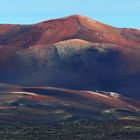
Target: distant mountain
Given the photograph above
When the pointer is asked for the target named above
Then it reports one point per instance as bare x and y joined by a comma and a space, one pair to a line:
73, 52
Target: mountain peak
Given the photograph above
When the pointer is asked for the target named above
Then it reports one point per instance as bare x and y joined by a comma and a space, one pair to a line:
76, 16
81, 17
82, 27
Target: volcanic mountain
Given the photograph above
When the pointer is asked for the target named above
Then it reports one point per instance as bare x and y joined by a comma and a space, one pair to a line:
69, 78
74, 52
72, 27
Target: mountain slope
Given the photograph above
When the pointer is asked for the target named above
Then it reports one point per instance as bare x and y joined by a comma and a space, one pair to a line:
73, 52
71, 27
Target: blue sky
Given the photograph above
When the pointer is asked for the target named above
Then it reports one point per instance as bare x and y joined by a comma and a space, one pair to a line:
119, 13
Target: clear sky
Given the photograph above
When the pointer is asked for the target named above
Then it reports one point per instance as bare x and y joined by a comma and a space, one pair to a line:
119, 13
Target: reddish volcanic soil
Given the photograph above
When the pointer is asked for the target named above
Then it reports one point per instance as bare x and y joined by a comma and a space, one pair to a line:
72, 27
15, 37
81, 27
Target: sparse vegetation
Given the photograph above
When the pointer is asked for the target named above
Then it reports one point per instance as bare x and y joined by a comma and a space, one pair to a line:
73, 130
